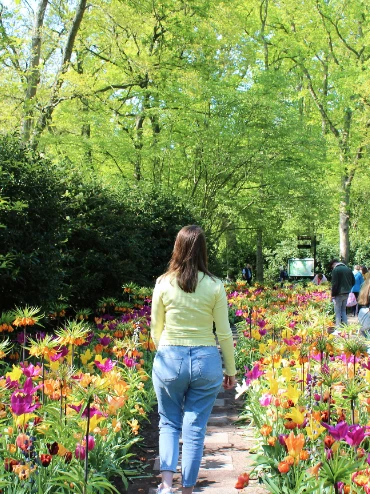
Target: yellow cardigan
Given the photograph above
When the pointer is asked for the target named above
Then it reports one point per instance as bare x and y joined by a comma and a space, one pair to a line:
186, 319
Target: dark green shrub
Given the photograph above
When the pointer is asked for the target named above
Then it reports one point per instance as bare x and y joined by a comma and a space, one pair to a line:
74, 238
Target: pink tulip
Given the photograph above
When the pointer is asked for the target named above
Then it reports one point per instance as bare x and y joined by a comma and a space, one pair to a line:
80, 452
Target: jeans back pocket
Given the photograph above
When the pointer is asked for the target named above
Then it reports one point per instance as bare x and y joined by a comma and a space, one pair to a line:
167, 368
210, 367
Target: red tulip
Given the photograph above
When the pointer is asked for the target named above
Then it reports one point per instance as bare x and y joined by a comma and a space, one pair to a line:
45, 460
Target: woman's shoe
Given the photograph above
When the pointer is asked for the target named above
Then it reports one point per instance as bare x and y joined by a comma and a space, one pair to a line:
164, 490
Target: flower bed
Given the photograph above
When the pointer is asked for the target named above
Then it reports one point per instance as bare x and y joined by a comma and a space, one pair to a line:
73, 400
306, 391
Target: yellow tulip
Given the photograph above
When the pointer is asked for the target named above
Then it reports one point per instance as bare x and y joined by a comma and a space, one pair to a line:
86, 357
15, 374
54, 366
274, 387
12, 448
287, 373
256, 335
293, 394
21, 420
286, 333
262, 348
314, 429
296, 415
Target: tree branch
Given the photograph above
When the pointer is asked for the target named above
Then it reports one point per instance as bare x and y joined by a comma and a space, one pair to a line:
319, 105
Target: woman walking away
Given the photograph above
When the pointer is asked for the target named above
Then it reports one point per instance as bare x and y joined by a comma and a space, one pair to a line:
359, 279
363, 308
187, 369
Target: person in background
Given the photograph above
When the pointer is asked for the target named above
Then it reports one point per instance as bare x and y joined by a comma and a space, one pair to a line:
359, 279
283, 275
187, 369
342, 282
365, 272
319, 278
363, 308
247, 274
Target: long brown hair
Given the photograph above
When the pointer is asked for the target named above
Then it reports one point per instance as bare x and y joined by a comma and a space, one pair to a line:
188, 257
363, 296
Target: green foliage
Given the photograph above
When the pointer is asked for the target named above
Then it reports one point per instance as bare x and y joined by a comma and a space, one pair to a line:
33, 234
78, 238
239, 112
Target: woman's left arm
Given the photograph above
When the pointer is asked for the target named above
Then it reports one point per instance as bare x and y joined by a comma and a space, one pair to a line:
158, 315
224, 334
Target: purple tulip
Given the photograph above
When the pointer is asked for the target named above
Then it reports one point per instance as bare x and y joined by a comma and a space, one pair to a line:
28, 388
106, 367
22, 404
105, 340
31, 370
40, 335
61, 352
80, 452
93, 411
281, 439
338, 432
355, 435
253, 374
129, 362
266, 399
329, 453
366, 365
91, 443
9, 384
325, 369
21, 339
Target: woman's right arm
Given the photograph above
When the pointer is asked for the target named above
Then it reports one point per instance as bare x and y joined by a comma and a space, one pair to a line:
157, 316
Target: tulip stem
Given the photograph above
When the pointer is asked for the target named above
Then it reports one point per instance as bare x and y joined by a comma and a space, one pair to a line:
43, 380
72, 356
61, 399
87, 445
24, 345
353, 411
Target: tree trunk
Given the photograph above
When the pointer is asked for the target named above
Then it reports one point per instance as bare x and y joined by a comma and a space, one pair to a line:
259, 255
138, 144
86, 126
33, 78
344, 219
54, 100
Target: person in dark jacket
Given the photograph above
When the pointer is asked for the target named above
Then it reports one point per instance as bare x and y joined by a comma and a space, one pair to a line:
247, 273
342, 282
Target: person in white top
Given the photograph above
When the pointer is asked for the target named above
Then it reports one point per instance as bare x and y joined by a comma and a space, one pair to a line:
319, 278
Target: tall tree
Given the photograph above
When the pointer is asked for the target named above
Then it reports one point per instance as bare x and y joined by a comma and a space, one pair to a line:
327, 45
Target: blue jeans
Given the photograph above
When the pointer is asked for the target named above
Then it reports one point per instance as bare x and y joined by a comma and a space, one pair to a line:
340, 302
187, 381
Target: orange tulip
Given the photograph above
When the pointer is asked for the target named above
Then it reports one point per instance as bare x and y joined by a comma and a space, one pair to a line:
315, 469
283, 467
294, 444
243, 481
329, 441
304, 455
265, 430
271, 441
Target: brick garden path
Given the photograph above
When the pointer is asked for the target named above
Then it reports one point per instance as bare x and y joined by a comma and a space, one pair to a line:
226, 453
